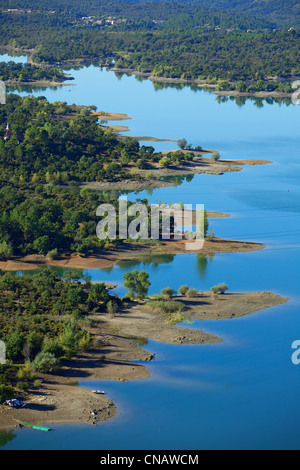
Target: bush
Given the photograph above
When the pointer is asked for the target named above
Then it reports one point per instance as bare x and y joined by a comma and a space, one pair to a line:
45, 362
111, 307
221, 288
214, 289
183, 289
149, 174
6, 250
191, 292
164, 162
215, 156
211, 235
52, 254
6, 392
22, 386
174, 318
164, 306
53, 347
25, 372
168, 292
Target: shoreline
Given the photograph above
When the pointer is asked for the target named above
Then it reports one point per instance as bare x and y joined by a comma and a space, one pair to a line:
148, 75
129, 251
45, 83
202, 166
59, 400
202, 84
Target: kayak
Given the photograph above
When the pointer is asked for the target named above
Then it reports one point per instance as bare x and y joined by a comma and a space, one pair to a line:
98, 391
34, 426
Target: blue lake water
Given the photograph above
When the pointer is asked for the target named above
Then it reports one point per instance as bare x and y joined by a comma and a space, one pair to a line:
244, 391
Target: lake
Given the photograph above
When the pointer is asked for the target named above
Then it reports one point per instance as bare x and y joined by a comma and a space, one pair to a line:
242, 393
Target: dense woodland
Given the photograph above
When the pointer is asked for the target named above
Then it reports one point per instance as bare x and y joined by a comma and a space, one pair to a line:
29, 73
42, 207
43, 320
166, 39
275, 11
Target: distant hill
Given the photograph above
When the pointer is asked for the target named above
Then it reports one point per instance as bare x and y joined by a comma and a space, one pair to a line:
285, 12
277, 12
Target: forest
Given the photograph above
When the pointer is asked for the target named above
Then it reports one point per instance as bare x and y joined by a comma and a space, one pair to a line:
176, 40
53, 148
43, 321
12, 71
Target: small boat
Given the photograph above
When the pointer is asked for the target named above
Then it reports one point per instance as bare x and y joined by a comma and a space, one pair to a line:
34, 426
99, 392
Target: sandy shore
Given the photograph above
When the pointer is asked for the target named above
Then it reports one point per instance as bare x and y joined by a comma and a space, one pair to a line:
59, 400
44, 83
202, 166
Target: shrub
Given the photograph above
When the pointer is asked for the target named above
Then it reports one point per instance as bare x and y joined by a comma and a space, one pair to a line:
22, 386
53, 347
6, 250
52, 254
191, 292
25, 372
164, 162
111, 307
6, 392
164, 306
149, 174
221, 288
45, 362
214, 289
215, 156
168, 292
183, 289
174, 318
211, 235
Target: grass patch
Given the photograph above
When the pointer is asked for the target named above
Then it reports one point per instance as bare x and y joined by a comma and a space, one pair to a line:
173, 318
164, 306
170, 309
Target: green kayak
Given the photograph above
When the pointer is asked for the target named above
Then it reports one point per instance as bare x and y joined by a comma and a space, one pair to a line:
34, 426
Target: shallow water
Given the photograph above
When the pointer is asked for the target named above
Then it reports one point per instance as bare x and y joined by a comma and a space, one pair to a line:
244, 391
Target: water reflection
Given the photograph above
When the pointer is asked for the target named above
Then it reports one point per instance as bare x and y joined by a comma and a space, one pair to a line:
202, 263
6, 437
31, 88
147, 260
257, 101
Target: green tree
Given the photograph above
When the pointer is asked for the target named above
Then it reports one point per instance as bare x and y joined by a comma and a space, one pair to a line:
6, 250
45, 362
6, 392
137, 283
182, 143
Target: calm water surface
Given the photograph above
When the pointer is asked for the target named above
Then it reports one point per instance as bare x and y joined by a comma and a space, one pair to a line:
244, 391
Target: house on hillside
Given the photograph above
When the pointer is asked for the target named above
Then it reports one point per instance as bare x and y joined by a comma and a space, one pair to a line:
8, 134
